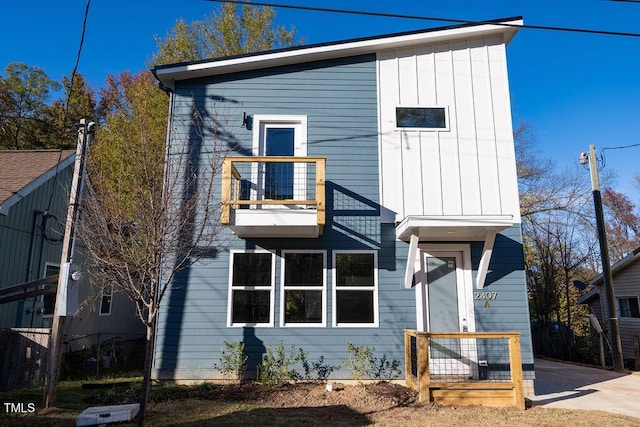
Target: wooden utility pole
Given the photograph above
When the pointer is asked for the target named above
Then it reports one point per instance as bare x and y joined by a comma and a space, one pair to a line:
607, 277
60, 311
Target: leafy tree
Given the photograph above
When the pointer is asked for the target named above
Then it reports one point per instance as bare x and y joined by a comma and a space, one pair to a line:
231, 30
24, 92
63, 114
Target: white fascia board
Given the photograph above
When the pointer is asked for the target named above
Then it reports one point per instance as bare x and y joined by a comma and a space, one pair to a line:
33, 185
452, 227
330, 51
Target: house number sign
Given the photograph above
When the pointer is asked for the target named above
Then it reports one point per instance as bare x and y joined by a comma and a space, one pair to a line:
485, 295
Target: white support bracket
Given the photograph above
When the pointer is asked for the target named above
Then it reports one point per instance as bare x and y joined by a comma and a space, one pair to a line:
411, 261
487, 251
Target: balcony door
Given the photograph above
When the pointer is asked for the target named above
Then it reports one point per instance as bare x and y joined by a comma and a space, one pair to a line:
280, 136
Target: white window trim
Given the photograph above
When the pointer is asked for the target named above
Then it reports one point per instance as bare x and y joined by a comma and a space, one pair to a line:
323, 323
334, 271
299, 123
619, 311
44, 274
102, 295
446, 128
270, 288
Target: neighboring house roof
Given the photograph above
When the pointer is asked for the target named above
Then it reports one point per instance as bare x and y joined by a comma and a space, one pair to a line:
618, 266
169, 73
22, 171
589, 296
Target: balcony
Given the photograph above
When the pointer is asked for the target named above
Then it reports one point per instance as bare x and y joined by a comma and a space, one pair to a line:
274, 196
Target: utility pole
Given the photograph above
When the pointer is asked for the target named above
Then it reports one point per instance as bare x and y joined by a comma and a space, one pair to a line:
60, 311
607, 277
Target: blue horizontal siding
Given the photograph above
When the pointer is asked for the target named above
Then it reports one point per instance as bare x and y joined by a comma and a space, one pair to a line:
339, 98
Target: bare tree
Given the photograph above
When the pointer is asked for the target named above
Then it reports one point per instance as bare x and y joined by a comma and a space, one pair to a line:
139, 237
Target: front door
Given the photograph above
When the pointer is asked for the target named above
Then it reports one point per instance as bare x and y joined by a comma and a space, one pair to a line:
446, 305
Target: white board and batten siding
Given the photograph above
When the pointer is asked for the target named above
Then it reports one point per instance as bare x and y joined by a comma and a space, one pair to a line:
467, 169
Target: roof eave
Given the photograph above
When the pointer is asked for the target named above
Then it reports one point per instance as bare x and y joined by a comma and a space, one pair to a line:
6, 205
618, 266
167, 75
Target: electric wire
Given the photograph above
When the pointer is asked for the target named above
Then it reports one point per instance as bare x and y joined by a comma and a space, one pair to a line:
427, 18
45, 214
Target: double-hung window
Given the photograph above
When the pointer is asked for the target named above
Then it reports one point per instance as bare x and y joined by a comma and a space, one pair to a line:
303, 288
251, 288
355, 288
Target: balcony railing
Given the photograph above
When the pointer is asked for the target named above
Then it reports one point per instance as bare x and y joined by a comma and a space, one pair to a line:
465, 368
272, 194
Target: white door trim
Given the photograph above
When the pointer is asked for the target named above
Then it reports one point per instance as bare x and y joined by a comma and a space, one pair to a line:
465, 283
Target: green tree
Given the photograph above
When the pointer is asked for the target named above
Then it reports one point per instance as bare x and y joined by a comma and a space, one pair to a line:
24, 92
64, 113
232, 30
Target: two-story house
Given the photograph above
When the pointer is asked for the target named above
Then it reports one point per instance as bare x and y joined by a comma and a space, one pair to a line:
369, 186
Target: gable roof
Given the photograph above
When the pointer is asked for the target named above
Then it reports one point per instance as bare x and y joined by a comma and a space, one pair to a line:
22, 171
625, 262
168, 74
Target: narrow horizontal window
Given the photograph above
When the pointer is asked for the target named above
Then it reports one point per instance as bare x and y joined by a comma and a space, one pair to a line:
421, 117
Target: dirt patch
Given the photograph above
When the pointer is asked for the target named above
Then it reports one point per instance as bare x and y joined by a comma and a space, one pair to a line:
383, 404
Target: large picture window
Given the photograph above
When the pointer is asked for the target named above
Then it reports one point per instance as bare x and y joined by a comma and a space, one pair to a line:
303, 288
251, 289
355, 278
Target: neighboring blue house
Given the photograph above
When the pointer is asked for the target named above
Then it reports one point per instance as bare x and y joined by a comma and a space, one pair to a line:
369, 187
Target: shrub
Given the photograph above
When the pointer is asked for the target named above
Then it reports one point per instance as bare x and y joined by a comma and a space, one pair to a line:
363, 364
277, 366
322, 370
233, 361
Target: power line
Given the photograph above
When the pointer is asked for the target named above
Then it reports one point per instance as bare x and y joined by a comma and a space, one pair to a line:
75, 67
624, 146
429, 18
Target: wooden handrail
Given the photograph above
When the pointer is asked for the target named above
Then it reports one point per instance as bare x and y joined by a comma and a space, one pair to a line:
231, 185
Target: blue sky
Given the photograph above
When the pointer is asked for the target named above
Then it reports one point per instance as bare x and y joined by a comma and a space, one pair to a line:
573, 89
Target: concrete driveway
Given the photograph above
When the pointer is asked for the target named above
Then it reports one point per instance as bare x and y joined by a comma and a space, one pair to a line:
564, 385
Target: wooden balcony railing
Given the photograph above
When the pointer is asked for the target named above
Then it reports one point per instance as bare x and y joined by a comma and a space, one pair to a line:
273, 182
465, 368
